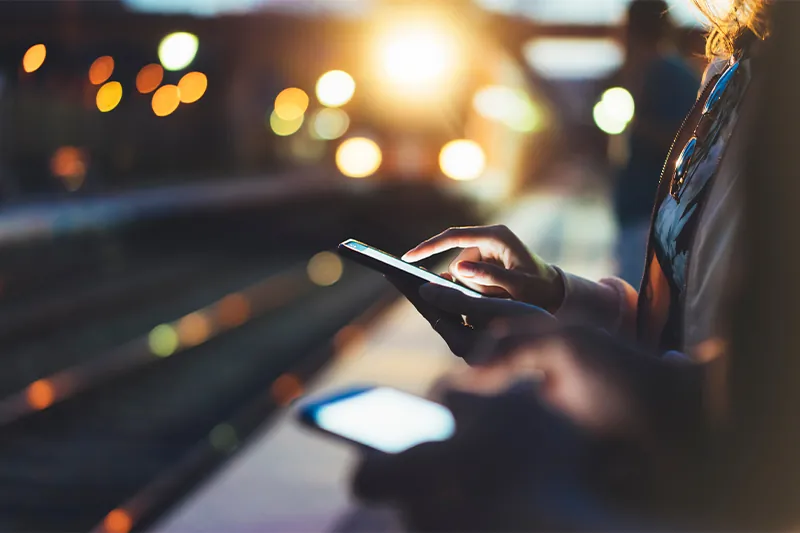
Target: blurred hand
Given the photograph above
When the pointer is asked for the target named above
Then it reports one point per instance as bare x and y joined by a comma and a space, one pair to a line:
496, 263
445, 310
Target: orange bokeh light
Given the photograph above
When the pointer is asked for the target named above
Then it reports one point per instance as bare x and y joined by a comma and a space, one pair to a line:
118, 521
233, 310
41, 394
286, 389
34, 57
194, 329
166, 100
149, 78
69, 164
101, 70
192, 86
291, 104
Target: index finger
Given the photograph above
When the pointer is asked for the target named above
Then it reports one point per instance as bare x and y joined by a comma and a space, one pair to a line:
470, 237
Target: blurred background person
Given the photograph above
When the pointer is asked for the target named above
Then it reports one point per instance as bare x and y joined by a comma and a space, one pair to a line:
664, 87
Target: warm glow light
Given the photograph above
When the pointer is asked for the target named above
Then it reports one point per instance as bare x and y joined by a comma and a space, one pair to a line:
614, 111
223, 438
358, 157
416, 57
335, 88
574, 57
177, 50
286, 389
149, 78
329, 124
462, 160
285, 128
233, 310
108, 96
166, 100
193, 329
325, 269
69, 164
101, 70
192, 87
163, 340
507, 106
40, 394
34, 57
291, 104
118, 521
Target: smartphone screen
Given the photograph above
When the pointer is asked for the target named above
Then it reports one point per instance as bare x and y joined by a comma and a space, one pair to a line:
382, 418
408, 268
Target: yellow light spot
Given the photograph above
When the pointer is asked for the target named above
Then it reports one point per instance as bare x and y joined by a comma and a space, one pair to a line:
507, 106
223, 438
417, 56
163, 340
108, 96
41, 394
358, 157
118, 521
69, 164
192, 87
166, 100
614, 111
177, 50
329, 124
193, 329
286, 389
325, 269
284, 128
291, 104
233, 310
335, 88
34, 57
149, 78
101, 70
462, 160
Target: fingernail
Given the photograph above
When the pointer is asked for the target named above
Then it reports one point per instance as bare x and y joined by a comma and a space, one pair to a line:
406, 255
467, 268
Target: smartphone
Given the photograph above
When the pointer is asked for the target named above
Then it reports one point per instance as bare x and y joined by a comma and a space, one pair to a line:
379, 418
393, 266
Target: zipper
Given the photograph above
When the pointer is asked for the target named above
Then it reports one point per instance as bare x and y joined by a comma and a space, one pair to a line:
648, 253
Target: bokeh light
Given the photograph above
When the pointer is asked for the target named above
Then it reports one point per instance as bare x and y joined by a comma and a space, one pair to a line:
335, 88
358, 157
192, 87
166, 100
329, 124
462, 160
307, 149
283, 127
109, 96
291, 104
69, 165
286, 389
163, 340
193, 329
118, 521
101, 70
177, 50
233, 310
325, 269
508, 106
614, 111
34, 57
40, 394
149, 78
416, 56
223, 438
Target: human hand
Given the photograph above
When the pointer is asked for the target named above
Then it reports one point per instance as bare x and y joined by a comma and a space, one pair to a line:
495, 262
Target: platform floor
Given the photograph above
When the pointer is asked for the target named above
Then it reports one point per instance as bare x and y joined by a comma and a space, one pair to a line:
289, 480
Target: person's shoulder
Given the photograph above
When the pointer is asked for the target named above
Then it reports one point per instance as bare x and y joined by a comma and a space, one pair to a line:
676, 67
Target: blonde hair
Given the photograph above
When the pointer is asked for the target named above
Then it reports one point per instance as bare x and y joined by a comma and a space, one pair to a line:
730, 23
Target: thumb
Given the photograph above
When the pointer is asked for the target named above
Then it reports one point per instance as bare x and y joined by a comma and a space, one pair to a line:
491, 275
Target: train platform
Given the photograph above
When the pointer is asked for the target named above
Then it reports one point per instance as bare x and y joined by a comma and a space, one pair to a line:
289, 480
